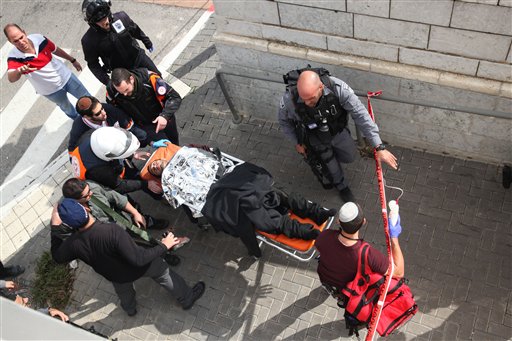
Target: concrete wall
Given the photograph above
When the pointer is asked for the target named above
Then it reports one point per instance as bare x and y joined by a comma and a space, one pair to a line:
445, 66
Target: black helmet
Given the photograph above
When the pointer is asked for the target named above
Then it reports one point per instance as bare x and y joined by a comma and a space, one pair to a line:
95, 10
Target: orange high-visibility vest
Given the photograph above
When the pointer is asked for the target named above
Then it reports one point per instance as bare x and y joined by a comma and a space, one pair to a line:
78, 165
160, 154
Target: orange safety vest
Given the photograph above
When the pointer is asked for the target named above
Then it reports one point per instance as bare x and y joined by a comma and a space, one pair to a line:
153, 77
160, 154
76, 163
78, 166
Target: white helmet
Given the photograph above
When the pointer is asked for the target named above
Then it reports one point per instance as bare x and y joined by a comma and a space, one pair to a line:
109, 143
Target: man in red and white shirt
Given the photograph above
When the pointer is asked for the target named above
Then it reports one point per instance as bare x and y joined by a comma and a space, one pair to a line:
32, 56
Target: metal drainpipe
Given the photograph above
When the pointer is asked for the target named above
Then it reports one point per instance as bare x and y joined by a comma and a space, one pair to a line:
236, 116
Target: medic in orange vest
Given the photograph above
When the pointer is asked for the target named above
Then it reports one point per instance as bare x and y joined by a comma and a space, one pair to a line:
148, 100
99, 157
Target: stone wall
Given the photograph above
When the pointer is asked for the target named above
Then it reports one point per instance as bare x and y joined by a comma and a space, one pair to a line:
444, 66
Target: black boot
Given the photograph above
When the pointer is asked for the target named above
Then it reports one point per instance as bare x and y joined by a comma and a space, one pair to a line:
295, 229
307, 209
347, 195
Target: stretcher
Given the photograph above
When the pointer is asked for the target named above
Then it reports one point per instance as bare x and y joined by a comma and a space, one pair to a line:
302, 250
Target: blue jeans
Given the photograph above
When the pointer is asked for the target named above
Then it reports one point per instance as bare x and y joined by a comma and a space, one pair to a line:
60, 97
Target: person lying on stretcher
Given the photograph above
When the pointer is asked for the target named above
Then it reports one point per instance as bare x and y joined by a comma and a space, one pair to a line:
234, 196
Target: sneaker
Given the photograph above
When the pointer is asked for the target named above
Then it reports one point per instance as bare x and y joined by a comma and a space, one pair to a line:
182, 241
197, 292
157, 224
347, 196
171, 259
12, 271
132, 312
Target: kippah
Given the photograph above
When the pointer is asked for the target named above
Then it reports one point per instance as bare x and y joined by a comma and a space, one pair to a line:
84, 103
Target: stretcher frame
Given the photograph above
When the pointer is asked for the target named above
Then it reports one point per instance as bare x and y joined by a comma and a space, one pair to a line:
303, 256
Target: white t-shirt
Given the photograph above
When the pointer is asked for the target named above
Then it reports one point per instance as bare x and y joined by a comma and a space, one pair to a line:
51, 74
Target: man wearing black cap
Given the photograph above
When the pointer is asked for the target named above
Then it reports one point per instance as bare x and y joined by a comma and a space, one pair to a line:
112, 253
339, 250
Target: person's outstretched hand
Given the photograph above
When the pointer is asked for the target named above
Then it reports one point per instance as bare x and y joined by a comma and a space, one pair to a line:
161, 123
57, 313
160, 143
387, 157
394, 231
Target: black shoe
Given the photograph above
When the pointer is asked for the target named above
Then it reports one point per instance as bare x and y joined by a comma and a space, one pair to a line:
171, 259
132, 312
324, 214
12, 271
157, 224
197, 292
347, 196
310, 234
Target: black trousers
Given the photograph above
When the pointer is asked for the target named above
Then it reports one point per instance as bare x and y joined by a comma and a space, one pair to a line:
144, 61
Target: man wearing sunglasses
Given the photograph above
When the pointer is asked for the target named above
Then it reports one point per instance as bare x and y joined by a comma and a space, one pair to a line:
94, 115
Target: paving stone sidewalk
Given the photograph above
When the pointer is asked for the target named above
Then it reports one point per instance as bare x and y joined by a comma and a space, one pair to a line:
457, 241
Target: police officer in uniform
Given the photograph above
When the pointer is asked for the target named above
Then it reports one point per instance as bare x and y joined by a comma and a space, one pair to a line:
148, 99
111, 38
317, 109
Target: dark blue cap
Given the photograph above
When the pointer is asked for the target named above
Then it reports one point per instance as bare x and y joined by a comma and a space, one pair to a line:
72, 213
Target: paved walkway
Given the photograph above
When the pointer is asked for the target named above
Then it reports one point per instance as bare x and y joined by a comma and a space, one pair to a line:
457, 241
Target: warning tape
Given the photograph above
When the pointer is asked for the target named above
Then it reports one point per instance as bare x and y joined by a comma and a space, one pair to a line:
384, 288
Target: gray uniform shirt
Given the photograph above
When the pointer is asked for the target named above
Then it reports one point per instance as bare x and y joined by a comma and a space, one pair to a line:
110, 198
348, 100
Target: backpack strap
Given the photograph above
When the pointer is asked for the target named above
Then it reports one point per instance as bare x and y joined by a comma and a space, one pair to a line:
363, 266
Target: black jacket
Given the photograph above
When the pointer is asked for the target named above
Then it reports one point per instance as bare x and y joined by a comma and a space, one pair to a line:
106, 173
144, 105
114, 49
109, 250
242, 200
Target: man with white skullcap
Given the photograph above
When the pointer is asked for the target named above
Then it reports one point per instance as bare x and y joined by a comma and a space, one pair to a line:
339, 249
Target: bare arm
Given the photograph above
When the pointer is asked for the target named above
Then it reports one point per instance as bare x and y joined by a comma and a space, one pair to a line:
138, 218
398, 258
15, 75
63, 54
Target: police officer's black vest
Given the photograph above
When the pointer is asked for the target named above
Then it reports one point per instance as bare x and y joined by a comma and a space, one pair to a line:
328, 115
117, 50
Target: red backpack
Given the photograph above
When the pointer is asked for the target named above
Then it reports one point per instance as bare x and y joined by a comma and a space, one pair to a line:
362, 293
